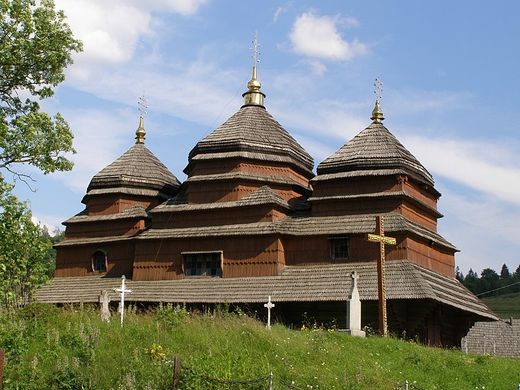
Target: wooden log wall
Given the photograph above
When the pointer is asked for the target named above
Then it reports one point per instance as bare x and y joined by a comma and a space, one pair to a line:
218, 217
124, 227
77, 260
113, 204
242, 256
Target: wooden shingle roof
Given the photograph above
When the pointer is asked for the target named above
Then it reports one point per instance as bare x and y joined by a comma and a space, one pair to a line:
303, 226
327, 282
137, 167
132, 212
375, 148
253, 130
263, 195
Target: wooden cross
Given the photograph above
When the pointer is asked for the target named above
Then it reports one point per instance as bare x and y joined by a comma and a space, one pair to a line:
381, 289
269, 305
122, 291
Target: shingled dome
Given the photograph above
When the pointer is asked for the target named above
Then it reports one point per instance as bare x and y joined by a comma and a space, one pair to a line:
253, 130
136, 168
373, 149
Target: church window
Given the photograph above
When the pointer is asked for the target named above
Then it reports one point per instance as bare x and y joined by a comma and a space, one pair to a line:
99, 261
203, 264
339, 248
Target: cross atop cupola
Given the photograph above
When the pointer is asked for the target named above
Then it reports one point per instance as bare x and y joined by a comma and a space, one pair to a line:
253, 96
377, 113
140, 133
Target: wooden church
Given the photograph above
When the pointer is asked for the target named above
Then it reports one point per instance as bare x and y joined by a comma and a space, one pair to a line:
252, 220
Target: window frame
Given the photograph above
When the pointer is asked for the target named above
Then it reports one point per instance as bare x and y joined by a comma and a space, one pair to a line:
92, 258
332, 247
219, 262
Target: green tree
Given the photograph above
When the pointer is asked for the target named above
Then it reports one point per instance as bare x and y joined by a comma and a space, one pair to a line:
459, 275
489, 280
472, 281
35, 48
516, 279
23, 250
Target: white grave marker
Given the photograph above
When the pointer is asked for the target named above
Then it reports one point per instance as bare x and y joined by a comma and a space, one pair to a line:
104, 300
122, 291
354, 309
269, 305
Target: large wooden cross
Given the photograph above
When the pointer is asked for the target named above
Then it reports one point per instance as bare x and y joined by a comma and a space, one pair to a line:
381, 289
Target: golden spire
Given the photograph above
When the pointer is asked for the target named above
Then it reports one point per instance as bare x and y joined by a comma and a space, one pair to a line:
253, 96
140, 133
377, 113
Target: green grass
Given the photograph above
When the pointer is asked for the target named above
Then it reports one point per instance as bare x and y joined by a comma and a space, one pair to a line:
505, 306
50, 348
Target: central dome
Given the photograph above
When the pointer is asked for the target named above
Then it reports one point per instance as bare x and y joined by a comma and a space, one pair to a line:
252, 132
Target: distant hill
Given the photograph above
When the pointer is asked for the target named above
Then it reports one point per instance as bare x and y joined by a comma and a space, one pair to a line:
505, 306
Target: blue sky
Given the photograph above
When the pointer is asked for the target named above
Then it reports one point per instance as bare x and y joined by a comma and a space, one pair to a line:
451, 86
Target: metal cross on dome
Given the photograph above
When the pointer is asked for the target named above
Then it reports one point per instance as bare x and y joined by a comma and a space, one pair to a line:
255, 48
378, 89
142, 105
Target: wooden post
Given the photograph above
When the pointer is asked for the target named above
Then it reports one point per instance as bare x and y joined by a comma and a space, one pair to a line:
271, 380
1, 369
381, 288
176, 372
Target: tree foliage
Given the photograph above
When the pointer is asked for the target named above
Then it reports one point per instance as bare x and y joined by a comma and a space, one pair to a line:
35, 48
490, 283
24, 251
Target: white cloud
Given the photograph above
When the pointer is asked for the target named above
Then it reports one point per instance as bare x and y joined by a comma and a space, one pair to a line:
484, 229
318, 68
478, 164
183, 7
188, 91
281, 10
51, 222
318, 37
110, 31
405, 102
99, 138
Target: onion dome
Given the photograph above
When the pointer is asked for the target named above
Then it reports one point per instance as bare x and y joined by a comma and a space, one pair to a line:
136, 172
374, 149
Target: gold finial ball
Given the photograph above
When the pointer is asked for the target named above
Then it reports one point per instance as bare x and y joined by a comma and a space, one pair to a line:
253, 85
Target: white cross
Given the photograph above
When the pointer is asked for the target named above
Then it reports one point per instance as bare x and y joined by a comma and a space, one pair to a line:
269, 305
122, 290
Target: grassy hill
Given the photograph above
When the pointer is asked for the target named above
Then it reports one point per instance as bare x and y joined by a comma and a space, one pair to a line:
505, 306
51, 348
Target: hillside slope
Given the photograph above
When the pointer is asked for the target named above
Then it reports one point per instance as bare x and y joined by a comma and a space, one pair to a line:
50, 348
505, 306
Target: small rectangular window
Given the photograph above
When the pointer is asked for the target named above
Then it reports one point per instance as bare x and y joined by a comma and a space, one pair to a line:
339, 248
203, 264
